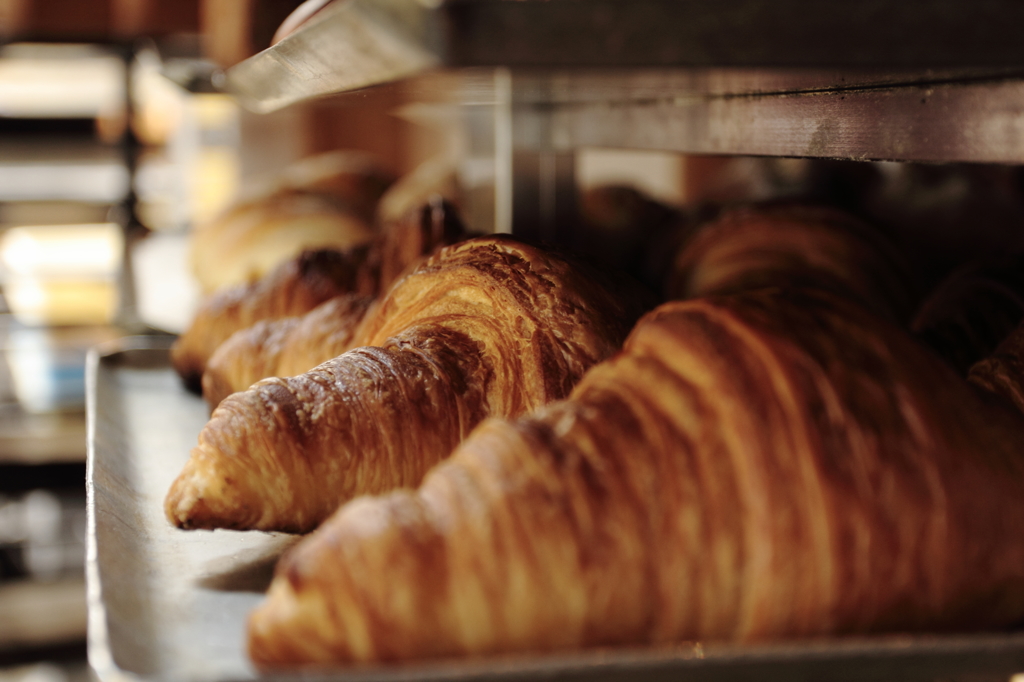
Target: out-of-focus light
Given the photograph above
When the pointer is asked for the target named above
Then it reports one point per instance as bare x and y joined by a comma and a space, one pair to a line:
159, 104
99, 181
51, 81
61, 274
61, 251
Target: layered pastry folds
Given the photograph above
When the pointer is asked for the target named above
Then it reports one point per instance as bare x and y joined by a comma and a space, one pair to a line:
795, 246
765, 465
283, 347
485, 327
296, 288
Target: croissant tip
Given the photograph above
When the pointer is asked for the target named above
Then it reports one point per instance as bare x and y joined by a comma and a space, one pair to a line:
188, 366
215, 387
263, 636
179, 505
186, 505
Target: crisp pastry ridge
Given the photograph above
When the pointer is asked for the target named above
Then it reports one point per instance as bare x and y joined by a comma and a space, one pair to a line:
283, 347
796, 246
485, 327
760, 466
299, 286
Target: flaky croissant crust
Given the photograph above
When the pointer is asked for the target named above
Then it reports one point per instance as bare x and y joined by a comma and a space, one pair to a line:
795, 246
752, 467
283, 347
486, 327
294, 288
544, 320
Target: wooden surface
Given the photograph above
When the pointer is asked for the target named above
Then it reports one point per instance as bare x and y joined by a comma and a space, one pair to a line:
961, 119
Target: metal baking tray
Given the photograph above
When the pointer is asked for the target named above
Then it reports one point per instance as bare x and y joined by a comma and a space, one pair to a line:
357, 43
166, 604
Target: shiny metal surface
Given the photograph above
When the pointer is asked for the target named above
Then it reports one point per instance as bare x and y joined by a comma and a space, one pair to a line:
166, 604
350, 45
357, 43
943, 116
163, 603
960, 120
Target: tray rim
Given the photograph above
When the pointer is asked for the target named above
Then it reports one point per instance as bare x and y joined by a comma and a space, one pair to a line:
700, 661
98, 650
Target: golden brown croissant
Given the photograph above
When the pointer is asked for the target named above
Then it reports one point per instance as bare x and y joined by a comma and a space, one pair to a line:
798, 247
489, 326
294, 288
322, 201
283, 348
251, 239
768, 465
298, 286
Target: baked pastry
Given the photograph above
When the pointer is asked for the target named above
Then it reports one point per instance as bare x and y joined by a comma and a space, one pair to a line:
627, 230
767, 465
354, 180
293, 288
795, 246
325, 201
251, 239
285, 347
272, 349
486, 327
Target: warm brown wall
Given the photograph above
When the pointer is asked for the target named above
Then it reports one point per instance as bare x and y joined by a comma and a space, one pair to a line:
235, 29
96, 19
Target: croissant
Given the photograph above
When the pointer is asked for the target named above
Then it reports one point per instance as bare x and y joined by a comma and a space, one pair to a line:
322, 201
253, 238
768, 465
489, 326
297, 287
795, 246
624, 229
285, 347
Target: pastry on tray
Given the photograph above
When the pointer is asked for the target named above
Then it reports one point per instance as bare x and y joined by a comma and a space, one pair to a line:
486, 327
796, 245
323, 201
972, 310
283, 347
299, 285
293, 288
771, 464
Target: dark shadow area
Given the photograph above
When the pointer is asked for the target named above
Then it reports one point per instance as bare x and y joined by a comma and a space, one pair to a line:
250, 574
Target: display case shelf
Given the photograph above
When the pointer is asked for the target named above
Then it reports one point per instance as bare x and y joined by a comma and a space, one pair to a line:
919, 81
359, 43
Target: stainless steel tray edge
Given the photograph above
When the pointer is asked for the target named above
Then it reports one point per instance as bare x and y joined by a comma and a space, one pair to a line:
100, 655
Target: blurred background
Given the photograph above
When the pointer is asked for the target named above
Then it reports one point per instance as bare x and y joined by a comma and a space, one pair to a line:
114, 143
